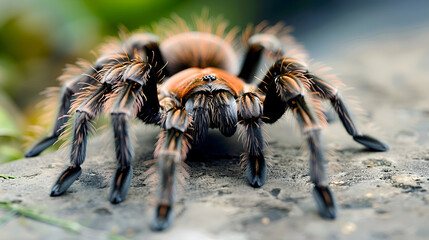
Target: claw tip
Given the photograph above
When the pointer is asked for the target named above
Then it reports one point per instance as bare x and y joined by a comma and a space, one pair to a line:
55, 191
371, 143
163, 221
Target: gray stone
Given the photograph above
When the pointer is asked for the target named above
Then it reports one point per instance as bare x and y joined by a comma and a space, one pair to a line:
380, 195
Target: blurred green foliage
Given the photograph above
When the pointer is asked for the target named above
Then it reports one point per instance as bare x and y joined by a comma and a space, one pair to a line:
38, 37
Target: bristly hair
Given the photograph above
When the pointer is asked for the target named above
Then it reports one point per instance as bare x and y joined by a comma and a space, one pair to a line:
48, 105
182, 174
290, 46
243, 131
325, 72
72, 70
43, 120
218, 26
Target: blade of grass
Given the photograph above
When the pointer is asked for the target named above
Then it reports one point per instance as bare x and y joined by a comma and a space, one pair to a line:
30, 213
68, 225
6, 218
116, 237
8, 177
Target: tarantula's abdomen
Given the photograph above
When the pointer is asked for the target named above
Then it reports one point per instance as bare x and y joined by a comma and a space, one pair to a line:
198, 49
197, 80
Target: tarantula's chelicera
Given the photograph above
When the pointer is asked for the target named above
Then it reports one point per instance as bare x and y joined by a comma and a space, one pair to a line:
186, 80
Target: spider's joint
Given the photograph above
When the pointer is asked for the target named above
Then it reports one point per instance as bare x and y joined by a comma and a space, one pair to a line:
309, 129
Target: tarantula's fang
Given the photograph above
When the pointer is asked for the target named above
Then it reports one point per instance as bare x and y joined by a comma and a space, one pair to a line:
325, 202
371, 143
41, 145
163, 218
65, 180
121, 184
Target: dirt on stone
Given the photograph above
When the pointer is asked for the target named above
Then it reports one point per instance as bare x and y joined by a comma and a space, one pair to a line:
381, 195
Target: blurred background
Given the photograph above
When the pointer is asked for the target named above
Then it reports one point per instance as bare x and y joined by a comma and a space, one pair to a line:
38, 37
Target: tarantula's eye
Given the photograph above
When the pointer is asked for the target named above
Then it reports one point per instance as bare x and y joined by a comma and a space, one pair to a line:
209, 78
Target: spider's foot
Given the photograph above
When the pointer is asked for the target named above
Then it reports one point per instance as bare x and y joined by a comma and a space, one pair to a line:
65, 180
371, 143
121, 184
256, 171
325, 202
164, 216
40, 146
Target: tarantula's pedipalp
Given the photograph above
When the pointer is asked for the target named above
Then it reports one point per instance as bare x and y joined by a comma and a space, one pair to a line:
225, 113
172, 147
329, 92
250, 112
199, 107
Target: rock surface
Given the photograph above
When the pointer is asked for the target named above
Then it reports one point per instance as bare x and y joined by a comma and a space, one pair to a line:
380, 195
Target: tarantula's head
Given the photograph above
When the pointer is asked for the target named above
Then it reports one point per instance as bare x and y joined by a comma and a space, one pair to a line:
201, 80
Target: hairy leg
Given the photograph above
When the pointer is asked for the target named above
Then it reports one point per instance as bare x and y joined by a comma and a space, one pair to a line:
88, 110
250, 112
285, 89
311, 130
169, 155
66, 96
257, 45
122, 110
330, 92
73, 86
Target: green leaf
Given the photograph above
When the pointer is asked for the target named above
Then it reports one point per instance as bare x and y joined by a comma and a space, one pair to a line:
9, 153
8, 127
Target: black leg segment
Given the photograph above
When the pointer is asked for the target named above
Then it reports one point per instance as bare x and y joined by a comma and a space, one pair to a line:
67, 94
84, 114
323, 195
65, 180
250, 112
66, 97
225, 113
284, 85
170, 154
199, 106
328, 91
123, 108
259, 45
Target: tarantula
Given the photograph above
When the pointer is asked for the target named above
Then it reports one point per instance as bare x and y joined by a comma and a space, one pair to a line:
191, 80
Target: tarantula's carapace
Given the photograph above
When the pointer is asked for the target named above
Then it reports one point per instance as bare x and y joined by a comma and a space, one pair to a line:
187, 78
